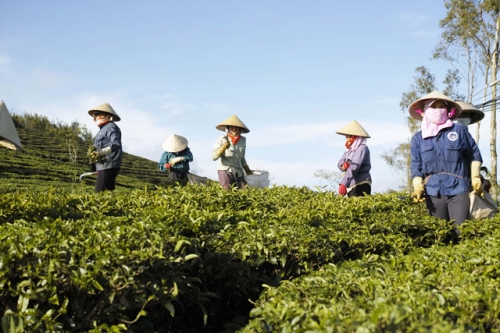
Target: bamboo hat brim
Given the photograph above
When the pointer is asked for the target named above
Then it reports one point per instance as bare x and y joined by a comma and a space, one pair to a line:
175, 143
419, 104
232, 121
107, 109
353, 128
469, 111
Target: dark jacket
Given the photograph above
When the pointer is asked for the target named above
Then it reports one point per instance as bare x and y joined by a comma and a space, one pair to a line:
447, 157
109, 135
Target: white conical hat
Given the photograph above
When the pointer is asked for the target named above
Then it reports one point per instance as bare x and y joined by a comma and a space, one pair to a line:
419, 104
233, 121
175, 143
105, 108
353, 128
8, 133
469, 111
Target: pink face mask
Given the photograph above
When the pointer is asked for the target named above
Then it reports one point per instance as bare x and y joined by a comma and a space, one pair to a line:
436, 116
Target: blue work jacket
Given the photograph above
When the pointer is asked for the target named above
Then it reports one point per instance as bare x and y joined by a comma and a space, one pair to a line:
446, 158
109, 135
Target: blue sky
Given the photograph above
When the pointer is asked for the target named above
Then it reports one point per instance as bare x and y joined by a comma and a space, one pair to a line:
293, 71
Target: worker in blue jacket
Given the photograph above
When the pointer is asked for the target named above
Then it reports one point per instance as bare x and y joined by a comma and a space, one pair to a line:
108, 145
445, 159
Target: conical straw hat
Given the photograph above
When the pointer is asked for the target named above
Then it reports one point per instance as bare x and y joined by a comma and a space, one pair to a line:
353, 128
419, 104
8, 133
105, 108
175, 143
469, 111
232, 121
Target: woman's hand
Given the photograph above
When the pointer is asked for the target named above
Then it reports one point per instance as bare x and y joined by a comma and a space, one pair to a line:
342, 189
346, 165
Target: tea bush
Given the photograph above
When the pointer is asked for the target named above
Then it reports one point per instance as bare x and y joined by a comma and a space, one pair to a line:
436, 289
190, 259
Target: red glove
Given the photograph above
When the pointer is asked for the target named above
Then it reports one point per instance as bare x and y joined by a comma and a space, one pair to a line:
342, 189
167, 166
346, 165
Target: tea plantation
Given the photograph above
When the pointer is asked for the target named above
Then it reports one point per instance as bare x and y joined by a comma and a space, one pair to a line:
55, 154
151, 257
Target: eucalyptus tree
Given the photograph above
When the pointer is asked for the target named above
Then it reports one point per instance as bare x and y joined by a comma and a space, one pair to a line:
472, 36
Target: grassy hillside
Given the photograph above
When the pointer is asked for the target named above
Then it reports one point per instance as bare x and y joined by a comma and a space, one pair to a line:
55, 155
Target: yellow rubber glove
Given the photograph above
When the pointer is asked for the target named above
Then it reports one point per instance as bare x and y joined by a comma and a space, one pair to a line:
477, 186
221, 150
418, 189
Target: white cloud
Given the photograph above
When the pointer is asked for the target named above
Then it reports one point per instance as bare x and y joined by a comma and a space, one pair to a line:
387, 134
382, 133
290, 134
